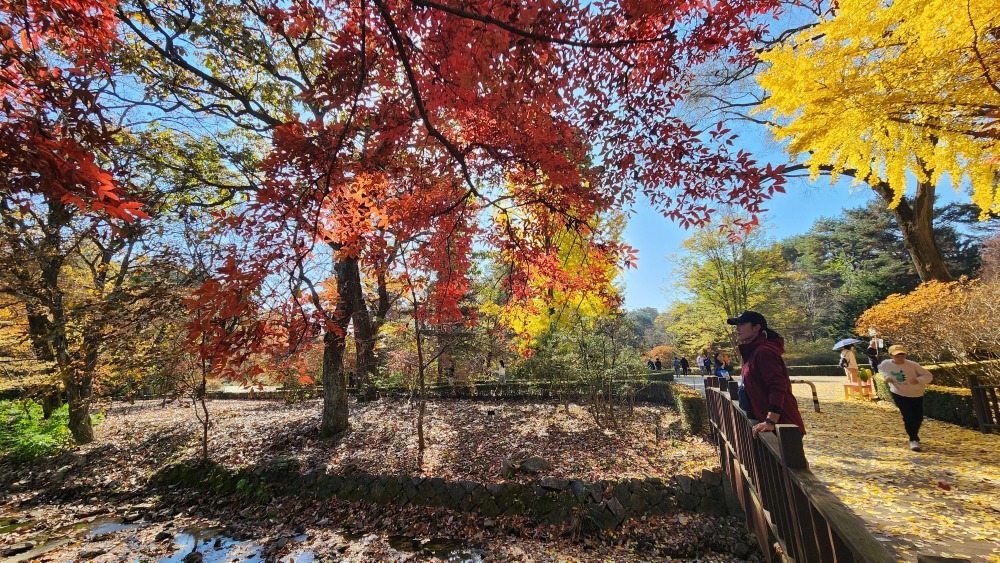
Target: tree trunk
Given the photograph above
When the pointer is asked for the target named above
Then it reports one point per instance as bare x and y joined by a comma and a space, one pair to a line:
335, 414
38, 330
366, 327
79, 388
916, 224
364, 338
78, 391
51, 401
335, 419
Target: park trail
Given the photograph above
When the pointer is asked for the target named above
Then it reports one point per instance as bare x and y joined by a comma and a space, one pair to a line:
944, 500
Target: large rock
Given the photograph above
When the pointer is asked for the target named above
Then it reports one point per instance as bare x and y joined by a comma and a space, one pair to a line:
534, 465
617, 509
599, 517
685, 482
90, 553
554, 484
17, 548
713, 478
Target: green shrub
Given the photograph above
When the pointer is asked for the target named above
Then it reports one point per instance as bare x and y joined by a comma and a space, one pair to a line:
957, 374
657, 392
801, 371
660, 376
813, 353
25, 435
948, 404
692, 407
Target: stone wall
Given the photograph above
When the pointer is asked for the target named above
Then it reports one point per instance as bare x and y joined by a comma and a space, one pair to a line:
603, 504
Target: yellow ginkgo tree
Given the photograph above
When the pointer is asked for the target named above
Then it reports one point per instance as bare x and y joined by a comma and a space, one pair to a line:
895, 93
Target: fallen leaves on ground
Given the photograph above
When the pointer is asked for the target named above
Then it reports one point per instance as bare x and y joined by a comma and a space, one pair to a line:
944, 500
466, 440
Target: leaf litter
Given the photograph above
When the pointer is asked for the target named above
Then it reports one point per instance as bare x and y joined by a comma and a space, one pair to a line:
466, 440
944, 500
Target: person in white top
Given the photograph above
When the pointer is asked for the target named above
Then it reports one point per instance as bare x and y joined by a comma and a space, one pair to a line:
907, 380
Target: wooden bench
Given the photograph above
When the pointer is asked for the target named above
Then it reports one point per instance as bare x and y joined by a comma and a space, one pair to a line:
862, 389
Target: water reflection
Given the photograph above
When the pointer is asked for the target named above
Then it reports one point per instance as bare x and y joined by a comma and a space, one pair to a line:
214, 547
450, 550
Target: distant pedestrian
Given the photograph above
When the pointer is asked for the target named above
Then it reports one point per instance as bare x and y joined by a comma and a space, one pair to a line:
722, 365
907, 380
502, 372
700, 362
872, 353
677, 366
707, 367
658, 365
849, 363
650, 365
685, 366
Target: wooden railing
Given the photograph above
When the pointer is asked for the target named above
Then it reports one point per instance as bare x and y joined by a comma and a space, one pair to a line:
794, 516
986, 404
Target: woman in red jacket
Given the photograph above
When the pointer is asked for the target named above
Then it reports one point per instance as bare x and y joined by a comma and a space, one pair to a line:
765, 377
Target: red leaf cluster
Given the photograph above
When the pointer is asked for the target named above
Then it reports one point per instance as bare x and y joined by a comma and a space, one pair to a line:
53, 53
447, 125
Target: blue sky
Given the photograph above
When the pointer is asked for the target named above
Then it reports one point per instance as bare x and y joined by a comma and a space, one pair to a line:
651, 283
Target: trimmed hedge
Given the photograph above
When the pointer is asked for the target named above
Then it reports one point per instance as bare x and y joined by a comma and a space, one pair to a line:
660, 376
948, 404
799, 371
693, 409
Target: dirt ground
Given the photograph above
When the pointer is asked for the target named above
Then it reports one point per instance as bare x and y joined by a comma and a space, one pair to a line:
94, 503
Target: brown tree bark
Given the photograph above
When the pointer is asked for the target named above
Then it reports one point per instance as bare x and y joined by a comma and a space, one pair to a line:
364, 338
78, 391
335, 419
366, 327
916, 221
38, 330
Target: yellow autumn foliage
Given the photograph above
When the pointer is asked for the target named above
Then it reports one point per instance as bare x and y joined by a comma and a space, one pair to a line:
949, 322
892, 89
558, 299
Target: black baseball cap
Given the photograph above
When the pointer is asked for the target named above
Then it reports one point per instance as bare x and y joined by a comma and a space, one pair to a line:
752, 317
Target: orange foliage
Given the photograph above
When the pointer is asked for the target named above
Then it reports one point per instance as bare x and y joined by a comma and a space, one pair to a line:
943, 322
664, 351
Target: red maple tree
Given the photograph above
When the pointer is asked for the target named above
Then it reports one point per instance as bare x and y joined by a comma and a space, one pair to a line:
55, 57
450, 123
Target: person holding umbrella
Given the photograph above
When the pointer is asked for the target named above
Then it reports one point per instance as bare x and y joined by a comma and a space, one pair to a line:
847, 359
850, 363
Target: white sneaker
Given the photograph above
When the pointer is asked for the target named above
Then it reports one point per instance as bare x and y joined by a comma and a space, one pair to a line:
915, 446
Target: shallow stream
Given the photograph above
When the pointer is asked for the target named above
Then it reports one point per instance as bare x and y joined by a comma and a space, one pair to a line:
213, 546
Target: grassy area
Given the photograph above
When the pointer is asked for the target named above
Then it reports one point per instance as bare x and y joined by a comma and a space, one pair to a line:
25, 435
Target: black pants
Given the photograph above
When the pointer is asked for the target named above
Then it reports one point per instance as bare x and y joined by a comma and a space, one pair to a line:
912, 409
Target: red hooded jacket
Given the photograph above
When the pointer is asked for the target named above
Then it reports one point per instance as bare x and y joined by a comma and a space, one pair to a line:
765, 379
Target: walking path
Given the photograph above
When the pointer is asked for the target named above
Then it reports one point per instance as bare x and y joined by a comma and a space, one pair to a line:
942, 501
